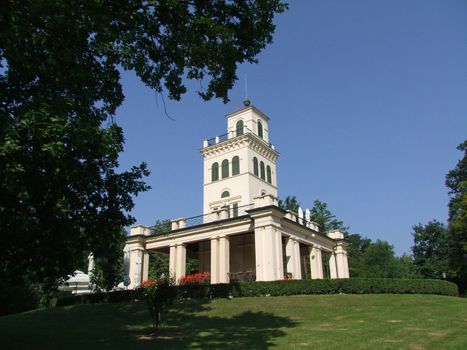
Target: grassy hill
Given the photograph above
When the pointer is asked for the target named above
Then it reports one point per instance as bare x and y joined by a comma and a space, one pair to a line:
293, 322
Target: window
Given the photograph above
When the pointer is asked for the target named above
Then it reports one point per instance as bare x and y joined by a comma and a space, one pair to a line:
260, 129
255, 166
225, 168
235, 165
225, 194
215, 172
239, 128
268, 174
261, 168
235, 210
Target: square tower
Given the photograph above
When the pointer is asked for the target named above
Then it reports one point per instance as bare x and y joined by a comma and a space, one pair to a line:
240, 164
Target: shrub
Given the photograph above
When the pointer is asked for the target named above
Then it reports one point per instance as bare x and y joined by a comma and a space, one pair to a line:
275, 288
324, 286
195, 278
158, 293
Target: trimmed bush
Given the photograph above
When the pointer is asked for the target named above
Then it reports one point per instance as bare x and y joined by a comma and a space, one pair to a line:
110, 297
325, 286
288, 287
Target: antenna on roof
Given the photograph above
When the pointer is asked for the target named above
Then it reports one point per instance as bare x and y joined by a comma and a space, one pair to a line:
246, 102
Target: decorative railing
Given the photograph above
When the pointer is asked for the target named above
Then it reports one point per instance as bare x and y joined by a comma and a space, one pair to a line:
232, 134
222, 214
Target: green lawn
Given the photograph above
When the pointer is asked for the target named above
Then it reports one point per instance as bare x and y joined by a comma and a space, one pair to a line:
294, 322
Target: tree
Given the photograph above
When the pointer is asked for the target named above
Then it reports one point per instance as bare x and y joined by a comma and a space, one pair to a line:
407, 267
379, 261
290, 203
325, 219
355, 250
456, 181
430, 249
59, 88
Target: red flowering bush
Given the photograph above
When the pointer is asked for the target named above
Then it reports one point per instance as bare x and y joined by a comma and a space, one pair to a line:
158, 294
195, 278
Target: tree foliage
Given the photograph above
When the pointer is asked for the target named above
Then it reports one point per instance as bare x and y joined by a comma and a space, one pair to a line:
290, 203
456, 181
355, 250
326, 220
430, 249
61, 195
379, 260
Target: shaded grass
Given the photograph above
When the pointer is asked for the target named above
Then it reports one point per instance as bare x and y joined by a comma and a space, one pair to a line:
293, 322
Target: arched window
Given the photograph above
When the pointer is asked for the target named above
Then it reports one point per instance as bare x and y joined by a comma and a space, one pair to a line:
268, 174
239, 128
225, 194
260, 129
225, 168
235, 165
215, 172
255, 166
261, 168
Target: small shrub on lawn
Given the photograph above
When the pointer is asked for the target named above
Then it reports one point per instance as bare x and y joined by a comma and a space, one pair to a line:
158, 294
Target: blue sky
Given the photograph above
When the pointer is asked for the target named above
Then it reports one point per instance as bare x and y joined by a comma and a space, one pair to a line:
367, 101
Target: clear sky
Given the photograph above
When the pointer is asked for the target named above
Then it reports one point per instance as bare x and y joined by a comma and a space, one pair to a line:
367, 102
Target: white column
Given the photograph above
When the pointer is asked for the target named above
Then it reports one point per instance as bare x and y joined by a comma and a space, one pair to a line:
292, 250
279, 254
289, 252
180, 264
341, 271
136, 260
259, 256
346, 262
316, 263
145, 271
172, 260
298, 264
214, 260
224, 260
341, 262
268, 253
332, 265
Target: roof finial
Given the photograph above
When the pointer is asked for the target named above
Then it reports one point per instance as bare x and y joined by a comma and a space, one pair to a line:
246, 102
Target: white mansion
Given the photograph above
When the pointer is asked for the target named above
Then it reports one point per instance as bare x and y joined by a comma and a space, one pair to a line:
242, 232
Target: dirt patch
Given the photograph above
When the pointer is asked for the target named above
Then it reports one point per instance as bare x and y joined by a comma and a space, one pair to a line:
394, 321
324, 327
439, 333
392, 341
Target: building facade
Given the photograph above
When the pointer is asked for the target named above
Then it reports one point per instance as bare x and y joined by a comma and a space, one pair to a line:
242, 234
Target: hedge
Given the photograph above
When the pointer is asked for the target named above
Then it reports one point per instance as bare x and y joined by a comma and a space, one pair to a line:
288, 287
325, 286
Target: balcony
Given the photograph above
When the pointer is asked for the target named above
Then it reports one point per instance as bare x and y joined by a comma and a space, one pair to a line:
234, 134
